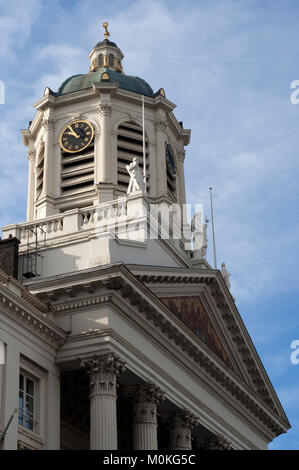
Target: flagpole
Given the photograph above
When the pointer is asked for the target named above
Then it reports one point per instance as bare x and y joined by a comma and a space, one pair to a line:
213, 229
143, 145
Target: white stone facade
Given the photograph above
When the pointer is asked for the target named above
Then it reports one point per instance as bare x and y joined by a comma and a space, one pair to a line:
97, 327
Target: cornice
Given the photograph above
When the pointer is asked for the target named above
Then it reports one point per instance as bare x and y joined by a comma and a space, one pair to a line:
21, 309
122, 280
184, 133
141, 324
224, 304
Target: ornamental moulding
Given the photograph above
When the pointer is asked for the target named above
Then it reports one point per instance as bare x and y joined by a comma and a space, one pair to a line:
48, 123
36, 325
105, 109
176, 334
229, 319
160, 124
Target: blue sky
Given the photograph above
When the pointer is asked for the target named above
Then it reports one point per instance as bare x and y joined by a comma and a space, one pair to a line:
228, 66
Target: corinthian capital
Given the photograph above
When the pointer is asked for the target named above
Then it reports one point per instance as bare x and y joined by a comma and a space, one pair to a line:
105, 109
186, 419
103, 370
146, 400
31, 154
149, 393
181, 156
218, 443
48, 123
160, 124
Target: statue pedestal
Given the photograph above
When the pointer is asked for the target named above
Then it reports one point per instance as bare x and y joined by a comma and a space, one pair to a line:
137, 216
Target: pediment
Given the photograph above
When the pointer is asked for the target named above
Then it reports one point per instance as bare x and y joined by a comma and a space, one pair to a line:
201, 299
190, 310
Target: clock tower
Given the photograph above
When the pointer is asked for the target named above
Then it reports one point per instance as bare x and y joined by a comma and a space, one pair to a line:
118, 334
84, 135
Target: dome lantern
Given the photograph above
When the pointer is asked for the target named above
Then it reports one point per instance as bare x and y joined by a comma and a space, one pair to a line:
106, 54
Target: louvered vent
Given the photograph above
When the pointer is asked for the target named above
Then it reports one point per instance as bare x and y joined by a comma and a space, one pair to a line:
40, 172
129, 145
77, 171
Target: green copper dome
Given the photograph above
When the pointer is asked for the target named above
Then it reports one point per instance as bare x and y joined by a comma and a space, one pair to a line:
126, 82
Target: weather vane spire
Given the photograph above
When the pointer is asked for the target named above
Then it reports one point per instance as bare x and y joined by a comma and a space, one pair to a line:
105, 26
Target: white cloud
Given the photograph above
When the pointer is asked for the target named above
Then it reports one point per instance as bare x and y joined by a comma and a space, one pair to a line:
16, 24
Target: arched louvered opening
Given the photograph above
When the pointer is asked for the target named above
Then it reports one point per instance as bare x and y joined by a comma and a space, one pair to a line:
77, 171
130, 145
111, 60
101, 60
40, 171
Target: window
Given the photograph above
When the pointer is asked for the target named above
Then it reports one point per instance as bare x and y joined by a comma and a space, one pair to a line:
111, 60
27, 402
101, 60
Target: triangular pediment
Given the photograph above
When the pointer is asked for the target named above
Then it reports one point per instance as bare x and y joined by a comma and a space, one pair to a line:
202, 301
190, 310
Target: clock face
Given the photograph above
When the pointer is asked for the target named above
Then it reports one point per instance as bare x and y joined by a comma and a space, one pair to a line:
76, 136
170, 159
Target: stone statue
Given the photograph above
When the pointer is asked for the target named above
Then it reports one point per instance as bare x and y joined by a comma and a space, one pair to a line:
225, 275
199, 235
205, 238
136, 179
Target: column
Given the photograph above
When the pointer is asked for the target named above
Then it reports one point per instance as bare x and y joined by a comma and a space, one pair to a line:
180, 431
161, 125
105, 187
104, 147
31, 184
218, 443
181, 177
52, 405
145, 417
103, 370
48, 186
45, 205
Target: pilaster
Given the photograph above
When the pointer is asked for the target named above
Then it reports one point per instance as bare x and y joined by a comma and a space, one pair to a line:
181, 177
31, 183
46, 205
161, 125
104, 153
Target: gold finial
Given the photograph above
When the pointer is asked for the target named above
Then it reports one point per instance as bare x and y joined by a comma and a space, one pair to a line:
105, 26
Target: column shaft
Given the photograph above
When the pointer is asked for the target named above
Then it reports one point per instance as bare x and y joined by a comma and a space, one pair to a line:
31, 184
161, 157
103, 370
181, 178
104, 153
103, 425
48, 183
